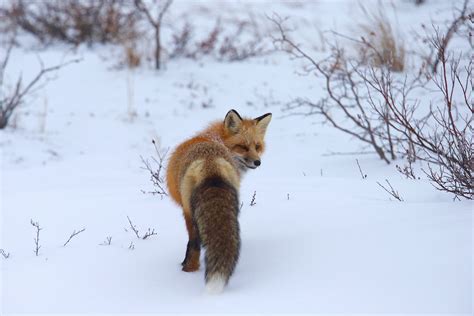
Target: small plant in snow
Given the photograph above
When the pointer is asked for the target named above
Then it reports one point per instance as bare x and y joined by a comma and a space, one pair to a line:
38, 229
74, 233
252, 203
362, 174
107, 241
392, 191
156, 175
4, 254
150, 232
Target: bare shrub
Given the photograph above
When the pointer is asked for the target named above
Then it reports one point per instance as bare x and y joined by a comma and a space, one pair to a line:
150, 232
136, 26
234, 46
447, 147
72, 22
209, 43
443, 138
131, 56
376, 106
390, 190
380, 46
157, 171
11, 100
460, 27
155, 22
179, 46
345, 105
464, 17
231, 40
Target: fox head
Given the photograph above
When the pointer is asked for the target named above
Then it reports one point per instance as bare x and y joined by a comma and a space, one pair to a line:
245, 138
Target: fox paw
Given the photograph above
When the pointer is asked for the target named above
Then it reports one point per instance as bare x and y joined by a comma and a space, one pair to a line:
190, 267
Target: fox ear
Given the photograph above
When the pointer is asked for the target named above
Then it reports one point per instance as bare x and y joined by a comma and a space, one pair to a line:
263, 121
232, 122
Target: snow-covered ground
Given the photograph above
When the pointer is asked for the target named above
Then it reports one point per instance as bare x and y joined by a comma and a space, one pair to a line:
320, 239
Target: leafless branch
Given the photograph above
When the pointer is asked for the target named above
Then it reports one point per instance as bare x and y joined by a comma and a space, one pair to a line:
133, 227
407, 171
9, 102
364, 176
346, 94
252, 202
441, 43
392, 191
157, 173
74, 233
131, 246
4, 254
376, 107
156, 23
150, 232
37, 238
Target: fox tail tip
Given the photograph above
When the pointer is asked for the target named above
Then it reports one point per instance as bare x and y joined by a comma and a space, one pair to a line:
215, 284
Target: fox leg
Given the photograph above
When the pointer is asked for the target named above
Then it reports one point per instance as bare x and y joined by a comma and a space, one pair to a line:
193, 249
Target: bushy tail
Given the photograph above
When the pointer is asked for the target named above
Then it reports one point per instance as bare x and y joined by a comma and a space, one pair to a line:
215, 207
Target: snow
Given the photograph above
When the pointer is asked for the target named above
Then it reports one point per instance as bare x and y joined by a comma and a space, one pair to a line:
320, 239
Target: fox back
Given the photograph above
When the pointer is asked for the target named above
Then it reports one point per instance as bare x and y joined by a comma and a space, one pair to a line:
203, 177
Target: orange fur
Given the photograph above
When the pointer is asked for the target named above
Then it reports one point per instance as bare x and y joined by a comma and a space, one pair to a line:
224, 149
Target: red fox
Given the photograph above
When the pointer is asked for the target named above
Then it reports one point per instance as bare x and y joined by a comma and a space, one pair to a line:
203, 177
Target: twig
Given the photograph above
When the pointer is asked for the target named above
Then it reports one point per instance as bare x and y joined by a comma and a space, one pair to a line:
133, 227
38, 228
392, 191
156, 177
252, 203
107, 241
407, 170
443, 42
5, 255
131, 246
364, 176
74, 233
149, 233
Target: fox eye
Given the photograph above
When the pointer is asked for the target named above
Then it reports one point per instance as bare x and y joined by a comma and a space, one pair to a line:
242, 147
258, 147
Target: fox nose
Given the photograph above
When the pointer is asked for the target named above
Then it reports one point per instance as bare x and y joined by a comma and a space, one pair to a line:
257, 162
